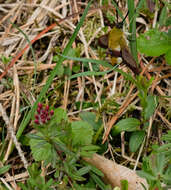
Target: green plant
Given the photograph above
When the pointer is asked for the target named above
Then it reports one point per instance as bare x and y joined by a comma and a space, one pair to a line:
4, 169
148, 103
36, 181
166, 148
156, 170
62, 144
158, 43
156, 167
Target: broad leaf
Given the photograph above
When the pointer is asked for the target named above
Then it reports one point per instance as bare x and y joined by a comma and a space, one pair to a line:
129, 124
136, 140
82, 133
41, 150
151, 106
90, 117
153, 43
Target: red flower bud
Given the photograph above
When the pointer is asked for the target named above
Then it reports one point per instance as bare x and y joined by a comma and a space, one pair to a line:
51, 112
44, 111
47, 108
36, 121
38, 110
43, 120
39, 105
37, 116
42, 116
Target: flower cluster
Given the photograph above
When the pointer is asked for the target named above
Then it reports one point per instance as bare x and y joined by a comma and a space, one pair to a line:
43, 114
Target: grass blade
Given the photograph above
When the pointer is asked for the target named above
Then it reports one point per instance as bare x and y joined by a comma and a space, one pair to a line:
53, 74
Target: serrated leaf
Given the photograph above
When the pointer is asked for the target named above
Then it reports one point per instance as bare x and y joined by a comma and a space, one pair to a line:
128, 124
136, 140
153, 43
151, 106
41, 150
82, 133
59, 115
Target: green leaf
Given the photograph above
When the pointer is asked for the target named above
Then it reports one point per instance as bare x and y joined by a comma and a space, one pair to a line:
151, 106
59, 115
86, 60
4, 169
124, 185
41, 150
164, 147
146, 175
167, 137
160, 163
90, 117
90, 147
84, 170
168, 21
87, 154
136, 140
34, 136
96, 171
168, 57
82, 133
60, 70
153, 43
98, 181
163, 16
129, 124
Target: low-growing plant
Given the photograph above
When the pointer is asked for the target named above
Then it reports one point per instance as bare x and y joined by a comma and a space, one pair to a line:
156, 169
61, 144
